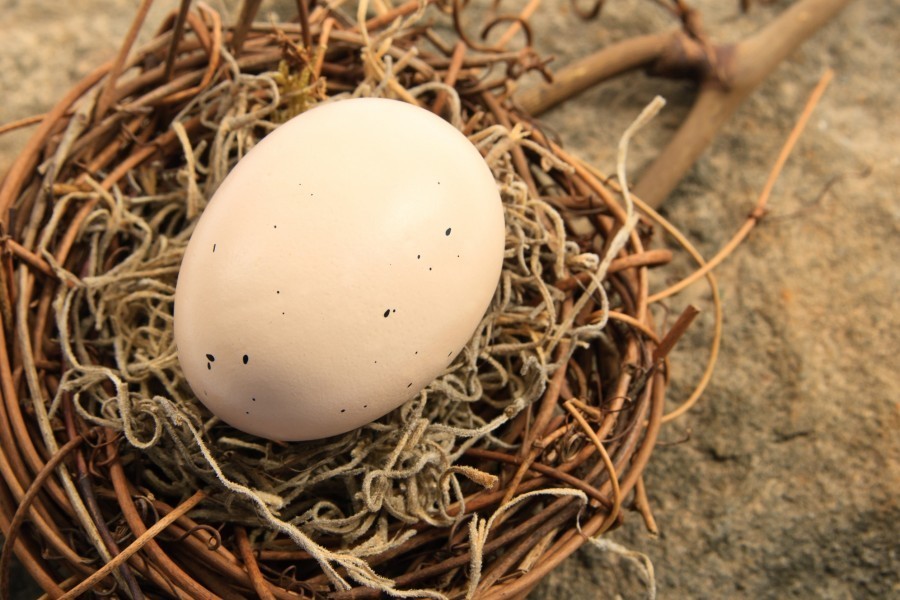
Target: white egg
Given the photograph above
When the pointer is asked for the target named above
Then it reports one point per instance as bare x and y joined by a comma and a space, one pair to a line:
338, 269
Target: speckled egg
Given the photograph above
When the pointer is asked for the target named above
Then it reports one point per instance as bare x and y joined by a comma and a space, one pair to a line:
338, 269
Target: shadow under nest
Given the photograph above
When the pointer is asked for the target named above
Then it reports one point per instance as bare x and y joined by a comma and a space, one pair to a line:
529, 443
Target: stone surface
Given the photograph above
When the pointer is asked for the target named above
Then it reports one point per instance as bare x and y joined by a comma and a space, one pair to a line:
784, 481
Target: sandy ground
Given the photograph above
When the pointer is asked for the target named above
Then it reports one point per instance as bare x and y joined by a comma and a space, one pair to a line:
785, 480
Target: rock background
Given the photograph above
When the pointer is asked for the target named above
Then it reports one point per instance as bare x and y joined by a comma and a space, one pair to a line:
785, 480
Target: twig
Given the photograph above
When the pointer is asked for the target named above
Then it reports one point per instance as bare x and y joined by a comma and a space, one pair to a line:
584, 73
649, 258
389, 17
177, 32
327, 26
20, 123
575, 482
135, 546
303, 15
249, 8
516, 25
28, 257
759, 210
106, 96
24, 505
124, 577
259, 583
678, 328
155, 553
607, 461
459, 53
642, 504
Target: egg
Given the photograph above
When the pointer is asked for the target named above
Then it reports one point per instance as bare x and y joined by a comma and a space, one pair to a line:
338, 269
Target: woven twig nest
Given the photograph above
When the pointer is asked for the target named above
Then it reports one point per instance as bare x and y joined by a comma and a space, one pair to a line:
529, 444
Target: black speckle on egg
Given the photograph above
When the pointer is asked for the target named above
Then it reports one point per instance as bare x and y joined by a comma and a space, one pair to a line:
439, 183
448, 231
395, 310
343, 410
210, 358
277, 291
209, 366
417, 351
214, 247
365, 406
450, 353
274, 226
387, 313
418, 256
246, 359
429, 268
247, 413
409, 385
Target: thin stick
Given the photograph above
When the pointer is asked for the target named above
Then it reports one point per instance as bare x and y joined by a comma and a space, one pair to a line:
575, 482
389, 17
256, 576
628, 320
516, 25
322, 47
22, 510
678, 328
154, 552
642, 504
28, 257
584, 73
249, 9
613, 478
177, 32
303, 14
648, 258
551, 395
135, 546
109, 91
20, 123
459, 54
760, 208
125, 576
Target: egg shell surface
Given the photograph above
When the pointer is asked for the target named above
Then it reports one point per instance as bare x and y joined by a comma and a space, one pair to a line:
338, 269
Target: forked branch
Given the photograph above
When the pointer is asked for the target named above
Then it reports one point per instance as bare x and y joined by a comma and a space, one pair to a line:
728, 74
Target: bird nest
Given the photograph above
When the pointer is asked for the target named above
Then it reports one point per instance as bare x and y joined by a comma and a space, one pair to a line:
117, 479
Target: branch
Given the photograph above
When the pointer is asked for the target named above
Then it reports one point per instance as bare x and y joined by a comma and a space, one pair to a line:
571, 80
728, 75
745, 68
